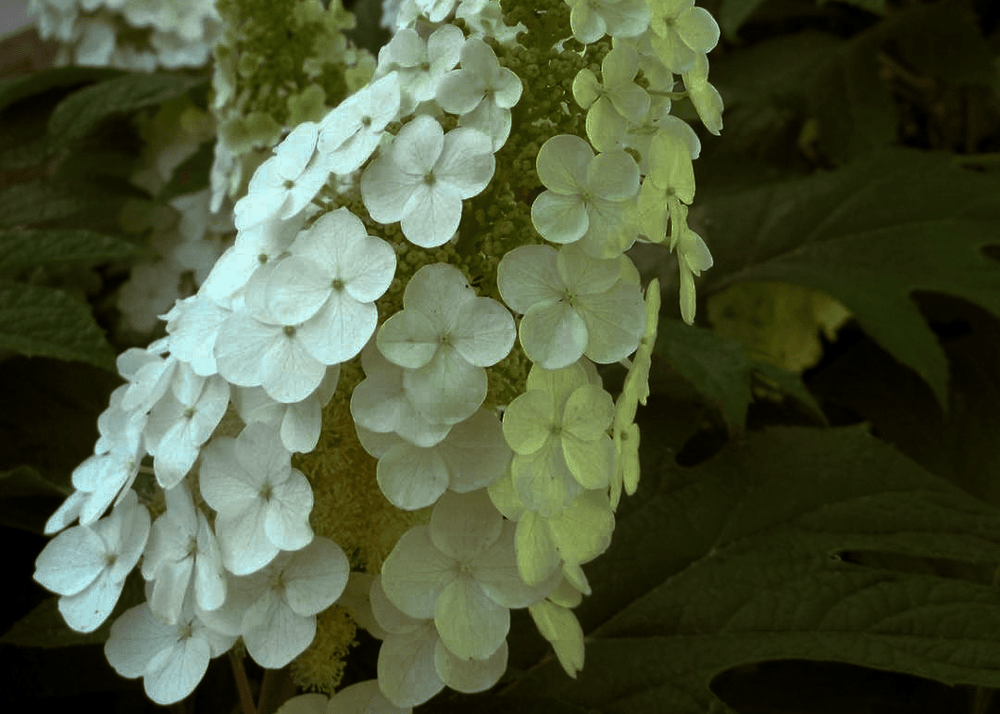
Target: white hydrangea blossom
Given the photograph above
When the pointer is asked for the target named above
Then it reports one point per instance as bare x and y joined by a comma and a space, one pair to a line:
414, 664
87, 565
131, 34
262, 502
482, 92
423, 178
285, 597
284, 184
183, 556
586, 195
460, 570
573, 305
470, 457
170, 657
444, 337
420, 61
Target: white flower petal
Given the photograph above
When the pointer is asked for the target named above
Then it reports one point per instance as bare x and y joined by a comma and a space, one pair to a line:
315, 577
470, 624
470, 675
412, 477
274, 634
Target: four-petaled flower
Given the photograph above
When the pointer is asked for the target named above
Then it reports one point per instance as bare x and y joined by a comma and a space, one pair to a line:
423, 178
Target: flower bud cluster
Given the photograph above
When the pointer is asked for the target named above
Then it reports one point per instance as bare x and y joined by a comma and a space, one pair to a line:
250, 363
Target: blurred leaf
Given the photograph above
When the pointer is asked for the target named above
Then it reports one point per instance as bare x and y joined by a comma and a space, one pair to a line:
42, 321
869, 235
777, 322
192, 175
753, 574
368, 32
732, 15
14, 90
37, 202
27, 498
721, 371
22, 140
765, 90
47, 200
29, 248
942, 40
81, 112
874, 6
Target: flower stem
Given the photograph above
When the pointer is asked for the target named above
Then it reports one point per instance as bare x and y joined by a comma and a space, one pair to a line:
242, 684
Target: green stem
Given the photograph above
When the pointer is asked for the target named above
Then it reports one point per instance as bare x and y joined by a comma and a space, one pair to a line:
242, 684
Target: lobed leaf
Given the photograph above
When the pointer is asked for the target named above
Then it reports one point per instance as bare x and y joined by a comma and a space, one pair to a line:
869, 235
759, 568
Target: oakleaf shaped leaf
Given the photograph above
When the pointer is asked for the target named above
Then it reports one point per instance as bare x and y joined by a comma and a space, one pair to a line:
869, 235
762, 563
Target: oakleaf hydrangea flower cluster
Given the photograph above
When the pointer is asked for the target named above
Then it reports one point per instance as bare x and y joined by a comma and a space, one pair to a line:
423, 283
131, 34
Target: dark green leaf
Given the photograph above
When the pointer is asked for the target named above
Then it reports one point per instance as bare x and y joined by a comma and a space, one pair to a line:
49, 420
45, 200
717, 367
732, 15
902, 409
869, 235
78, 114
46, 322
942, 40
44, 627
721, 371
14, 90
854, 108
790, 384
758, 568
37, 202
845, 94
874, 6
29, 248
27, 499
